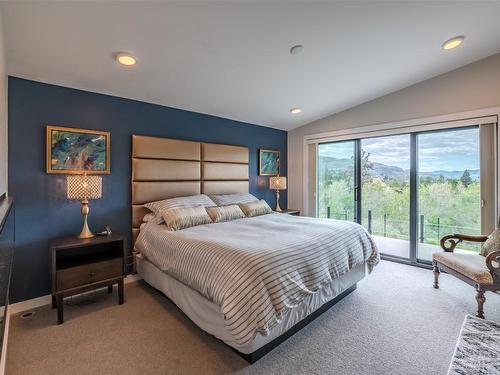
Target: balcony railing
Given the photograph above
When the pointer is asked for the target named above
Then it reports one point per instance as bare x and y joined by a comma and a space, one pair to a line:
385, 226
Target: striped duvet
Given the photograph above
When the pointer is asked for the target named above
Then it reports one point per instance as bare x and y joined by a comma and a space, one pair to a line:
255, 268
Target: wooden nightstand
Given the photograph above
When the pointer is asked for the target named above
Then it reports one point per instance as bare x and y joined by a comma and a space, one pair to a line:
80, 265
291, 211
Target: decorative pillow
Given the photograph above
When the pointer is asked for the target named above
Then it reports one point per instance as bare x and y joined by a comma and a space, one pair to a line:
237, 198
189, 201
491, 244
225, 213
256, 208
148, 217
185, 217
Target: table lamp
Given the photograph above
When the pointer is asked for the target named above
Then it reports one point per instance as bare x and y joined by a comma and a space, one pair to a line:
277, 183
84, 187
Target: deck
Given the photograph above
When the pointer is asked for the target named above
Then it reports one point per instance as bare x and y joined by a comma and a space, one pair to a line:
401, 248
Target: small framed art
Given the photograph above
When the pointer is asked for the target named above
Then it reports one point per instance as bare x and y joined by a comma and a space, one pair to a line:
269, 162
72, 151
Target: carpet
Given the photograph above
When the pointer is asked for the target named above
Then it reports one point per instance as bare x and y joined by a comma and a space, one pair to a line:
478, 348
394, 323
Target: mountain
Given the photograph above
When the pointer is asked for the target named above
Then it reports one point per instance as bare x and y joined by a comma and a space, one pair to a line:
390, 171
329, 163
451, 175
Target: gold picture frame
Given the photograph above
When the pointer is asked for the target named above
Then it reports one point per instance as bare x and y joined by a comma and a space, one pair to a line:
269, 162
75, 151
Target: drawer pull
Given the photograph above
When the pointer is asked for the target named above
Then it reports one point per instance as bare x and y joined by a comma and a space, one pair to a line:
91, 275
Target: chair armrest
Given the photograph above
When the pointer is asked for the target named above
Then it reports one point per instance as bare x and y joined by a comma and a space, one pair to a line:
493, 263
455, 239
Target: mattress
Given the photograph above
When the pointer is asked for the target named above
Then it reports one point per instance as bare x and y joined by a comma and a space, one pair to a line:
257, 268
208, 316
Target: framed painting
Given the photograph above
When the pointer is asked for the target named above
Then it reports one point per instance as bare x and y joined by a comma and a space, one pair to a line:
74, 151
269, 162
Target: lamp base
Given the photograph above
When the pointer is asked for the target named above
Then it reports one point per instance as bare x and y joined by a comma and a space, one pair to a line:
278, 208
85, 233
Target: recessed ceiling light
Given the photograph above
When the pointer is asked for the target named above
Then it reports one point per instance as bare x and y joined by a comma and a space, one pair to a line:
125, 59
453, 42
296, 49
295, 111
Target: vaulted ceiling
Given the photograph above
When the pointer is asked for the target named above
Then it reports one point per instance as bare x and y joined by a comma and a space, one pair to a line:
232, 59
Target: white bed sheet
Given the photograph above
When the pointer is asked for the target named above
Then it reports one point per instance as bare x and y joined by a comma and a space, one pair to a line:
208, 316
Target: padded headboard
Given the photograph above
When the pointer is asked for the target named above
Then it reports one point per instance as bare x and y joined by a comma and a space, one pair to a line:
166, 168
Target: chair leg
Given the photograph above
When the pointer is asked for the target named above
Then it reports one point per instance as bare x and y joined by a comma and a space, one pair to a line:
481, 299
435, 269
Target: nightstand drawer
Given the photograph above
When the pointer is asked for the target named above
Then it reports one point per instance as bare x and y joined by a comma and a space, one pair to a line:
72, 277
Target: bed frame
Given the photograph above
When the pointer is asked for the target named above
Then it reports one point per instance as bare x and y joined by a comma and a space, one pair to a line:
166, 168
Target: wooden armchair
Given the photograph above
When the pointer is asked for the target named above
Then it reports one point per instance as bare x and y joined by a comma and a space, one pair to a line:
483, 273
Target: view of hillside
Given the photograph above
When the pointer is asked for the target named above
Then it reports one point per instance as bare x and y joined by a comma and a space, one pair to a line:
448, 200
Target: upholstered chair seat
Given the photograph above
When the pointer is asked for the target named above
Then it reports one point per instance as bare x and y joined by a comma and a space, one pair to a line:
482, 271
471, 265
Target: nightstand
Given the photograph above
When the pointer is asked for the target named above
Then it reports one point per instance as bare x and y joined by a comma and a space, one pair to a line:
291, 211
80, 265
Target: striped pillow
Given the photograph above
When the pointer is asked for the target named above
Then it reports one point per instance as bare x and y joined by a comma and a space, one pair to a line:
185, 217
148, 217
237, 198
189, 201
225, 213
256, 208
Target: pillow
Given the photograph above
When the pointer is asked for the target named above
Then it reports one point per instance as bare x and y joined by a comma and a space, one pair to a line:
227, 199
189, 201
491, 244
225, 213
185, 217
148, 217
256, 208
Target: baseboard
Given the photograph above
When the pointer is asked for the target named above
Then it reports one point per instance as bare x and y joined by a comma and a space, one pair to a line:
33, 303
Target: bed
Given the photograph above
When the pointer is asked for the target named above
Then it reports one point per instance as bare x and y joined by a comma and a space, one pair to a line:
251, 282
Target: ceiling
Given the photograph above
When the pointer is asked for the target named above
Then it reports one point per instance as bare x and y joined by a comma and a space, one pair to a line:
232, 59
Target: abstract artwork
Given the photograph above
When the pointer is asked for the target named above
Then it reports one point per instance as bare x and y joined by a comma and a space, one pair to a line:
269, 162
72, 151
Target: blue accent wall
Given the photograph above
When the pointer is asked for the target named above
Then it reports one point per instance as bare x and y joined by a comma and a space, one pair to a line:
41, 210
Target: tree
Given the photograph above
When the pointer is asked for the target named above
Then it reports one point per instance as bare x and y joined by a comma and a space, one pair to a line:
366, 166
466, 179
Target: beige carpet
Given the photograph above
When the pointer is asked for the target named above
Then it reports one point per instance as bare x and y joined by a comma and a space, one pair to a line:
394, 323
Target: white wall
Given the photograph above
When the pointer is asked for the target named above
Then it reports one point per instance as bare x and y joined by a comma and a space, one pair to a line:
3, 115
475, 86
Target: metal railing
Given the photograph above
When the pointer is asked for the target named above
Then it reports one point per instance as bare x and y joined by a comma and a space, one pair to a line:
428, 232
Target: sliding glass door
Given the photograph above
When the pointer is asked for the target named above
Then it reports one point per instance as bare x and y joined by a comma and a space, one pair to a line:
337, 180
409, 190
449, 191
385, 192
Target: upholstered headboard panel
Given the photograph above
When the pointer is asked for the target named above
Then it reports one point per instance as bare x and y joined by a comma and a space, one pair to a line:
166, 168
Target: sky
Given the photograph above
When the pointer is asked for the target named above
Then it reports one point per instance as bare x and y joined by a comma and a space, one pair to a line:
450, 150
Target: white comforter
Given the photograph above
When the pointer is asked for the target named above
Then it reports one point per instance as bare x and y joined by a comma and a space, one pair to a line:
254, 268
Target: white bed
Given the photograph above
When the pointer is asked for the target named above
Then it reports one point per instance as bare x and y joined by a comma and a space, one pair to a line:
207, 315
187, 266
166, 168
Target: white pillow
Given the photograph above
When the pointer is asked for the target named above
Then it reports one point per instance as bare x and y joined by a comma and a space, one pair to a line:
237, 198
189, 201
185, 217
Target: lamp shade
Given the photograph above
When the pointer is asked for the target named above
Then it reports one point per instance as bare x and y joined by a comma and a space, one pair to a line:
277, 183
83, 187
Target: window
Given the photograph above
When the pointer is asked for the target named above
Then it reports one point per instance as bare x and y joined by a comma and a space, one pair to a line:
409, 190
